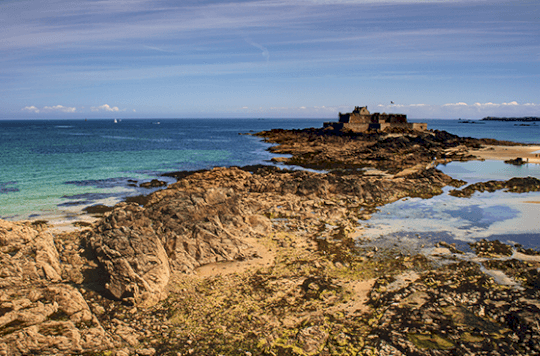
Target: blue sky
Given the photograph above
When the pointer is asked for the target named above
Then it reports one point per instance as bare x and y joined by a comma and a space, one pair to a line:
268, 58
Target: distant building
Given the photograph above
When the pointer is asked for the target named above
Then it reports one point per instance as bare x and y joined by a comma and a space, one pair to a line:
360, 120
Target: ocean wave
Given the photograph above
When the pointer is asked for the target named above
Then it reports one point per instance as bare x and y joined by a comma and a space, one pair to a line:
101, 183
89, 198
75, 203
121, 137
6, 188
78, 134
206, 140
137, 138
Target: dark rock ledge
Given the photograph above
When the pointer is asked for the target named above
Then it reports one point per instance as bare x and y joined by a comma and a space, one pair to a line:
513, 185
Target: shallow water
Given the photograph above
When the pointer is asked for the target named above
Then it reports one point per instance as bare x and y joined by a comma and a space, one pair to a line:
480, 171
56, 167
508, 217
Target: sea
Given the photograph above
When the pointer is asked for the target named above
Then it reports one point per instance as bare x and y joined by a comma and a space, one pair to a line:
56, 168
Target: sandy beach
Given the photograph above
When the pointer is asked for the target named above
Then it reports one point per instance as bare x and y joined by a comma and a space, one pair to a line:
504, 153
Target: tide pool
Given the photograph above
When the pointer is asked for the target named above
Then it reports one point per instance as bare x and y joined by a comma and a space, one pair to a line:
508, 217
480, 171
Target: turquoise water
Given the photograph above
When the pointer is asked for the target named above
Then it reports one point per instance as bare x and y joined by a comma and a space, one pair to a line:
62, 166
58, 167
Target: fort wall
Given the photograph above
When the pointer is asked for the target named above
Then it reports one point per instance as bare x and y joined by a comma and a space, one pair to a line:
360, 120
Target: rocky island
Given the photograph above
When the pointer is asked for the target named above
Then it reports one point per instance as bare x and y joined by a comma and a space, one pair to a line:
261, 260
525, 118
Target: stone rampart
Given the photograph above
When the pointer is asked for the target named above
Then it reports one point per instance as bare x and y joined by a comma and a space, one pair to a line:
360, 120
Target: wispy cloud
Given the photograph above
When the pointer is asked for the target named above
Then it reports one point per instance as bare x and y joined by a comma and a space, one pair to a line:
330, 2
87, 23
264, 50
261, 49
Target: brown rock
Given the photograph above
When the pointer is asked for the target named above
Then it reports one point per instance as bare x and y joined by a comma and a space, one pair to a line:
133, 256
39, 314
154, 183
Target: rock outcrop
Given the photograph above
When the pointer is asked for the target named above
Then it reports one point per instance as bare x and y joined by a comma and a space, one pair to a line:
131, 283
208, 217
132, 254
154, 183
178, 230
458, 309
393, 150
40, 311
513, 185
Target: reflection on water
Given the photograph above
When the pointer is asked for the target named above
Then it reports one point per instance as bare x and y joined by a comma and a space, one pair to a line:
479, 171
508, 217
484, 217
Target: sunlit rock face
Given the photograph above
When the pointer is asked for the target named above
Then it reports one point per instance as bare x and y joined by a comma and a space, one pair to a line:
40, 310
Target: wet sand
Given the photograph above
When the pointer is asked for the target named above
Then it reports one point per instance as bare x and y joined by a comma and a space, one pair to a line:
504, 153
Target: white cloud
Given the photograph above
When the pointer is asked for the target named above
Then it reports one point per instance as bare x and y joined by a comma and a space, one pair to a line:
105, 107
30, 109
60, 108
456, 104
490, 104
484, 105
461, 110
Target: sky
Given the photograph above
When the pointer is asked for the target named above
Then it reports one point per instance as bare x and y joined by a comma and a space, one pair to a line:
268, 58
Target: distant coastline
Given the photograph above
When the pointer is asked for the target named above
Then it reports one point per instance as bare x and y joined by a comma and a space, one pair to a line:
528, 118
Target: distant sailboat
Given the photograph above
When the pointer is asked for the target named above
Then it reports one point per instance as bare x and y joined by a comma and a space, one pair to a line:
115, 121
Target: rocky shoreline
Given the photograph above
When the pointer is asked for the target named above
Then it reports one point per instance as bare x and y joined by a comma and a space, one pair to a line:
267, 261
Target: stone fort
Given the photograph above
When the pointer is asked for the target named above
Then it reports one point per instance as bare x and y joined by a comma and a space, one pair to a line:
361, 120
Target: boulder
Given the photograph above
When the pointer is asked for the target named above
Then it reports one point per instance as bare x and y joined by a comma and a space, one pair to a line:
132, 254
154, 183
